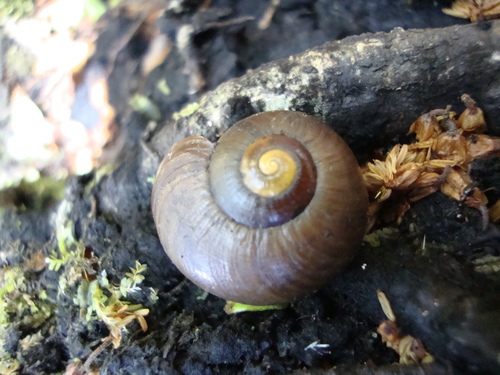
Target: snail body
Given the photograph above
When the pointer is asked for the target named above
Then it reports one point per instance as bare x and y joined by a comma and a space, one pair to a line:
272, 211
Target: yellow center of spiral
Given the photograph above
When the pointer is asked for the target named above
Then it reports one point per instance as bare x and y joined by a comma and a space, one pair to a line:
270, 174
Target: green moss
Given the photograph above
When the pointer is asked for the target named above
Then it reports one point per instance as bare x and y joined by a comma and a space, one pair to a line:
9, 366
236, 307
98, 299
67, 249
94, 9
163, 87
14, 9
145, 107
103, 301
186, 111
24, 306
37, 195
18, 61
29, 309
374, 239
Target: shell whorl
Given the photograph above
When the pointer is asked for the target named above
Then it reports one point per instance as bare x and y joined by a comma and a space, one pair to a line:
243, 155
277, 247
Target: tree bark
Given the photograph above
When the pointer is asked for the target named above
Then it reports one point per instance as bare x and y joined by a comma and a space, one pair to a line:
369, 88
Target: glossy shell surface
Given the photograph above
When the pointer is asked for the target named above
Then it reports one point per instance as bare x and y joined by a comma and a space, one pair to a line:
247, 257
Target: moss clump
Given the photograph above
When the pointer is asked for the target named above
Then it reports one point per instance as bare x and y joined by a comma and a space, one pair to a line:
97, 297
102, 301
24, 306
28, 308
186, 111
14, 9
37, 195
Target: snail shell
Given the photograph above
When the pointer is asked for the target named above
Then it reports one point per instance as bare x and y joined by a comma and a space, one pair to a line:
272, 211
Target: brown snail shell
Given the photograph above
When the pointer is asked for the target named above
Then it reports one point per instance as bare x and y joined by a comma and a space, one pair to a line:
272, 211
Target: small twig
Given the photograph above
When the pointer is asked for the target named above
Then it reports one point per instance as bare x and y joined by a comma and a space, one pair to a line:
231, 22
265, 21
318, 348
105, 343
186, 48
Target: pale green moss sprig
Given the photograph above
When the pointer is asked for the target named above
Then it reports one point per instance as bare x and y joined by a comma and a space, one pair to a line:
31, 341
236, 307
102, 301
12, 279
130, 283
145, 106
98, 299
14, 9
64, 253
186, 111
17, 305
9, 367
21, 306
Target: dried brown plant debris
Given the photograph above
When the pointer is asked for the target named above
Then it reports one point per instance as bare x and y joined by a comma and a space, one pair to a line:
474, 9
409, 349
439, 160
494, 212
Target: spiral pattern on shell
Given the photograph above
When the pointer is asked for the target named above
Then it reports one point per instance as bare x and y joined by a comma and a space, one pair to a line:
272, 211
